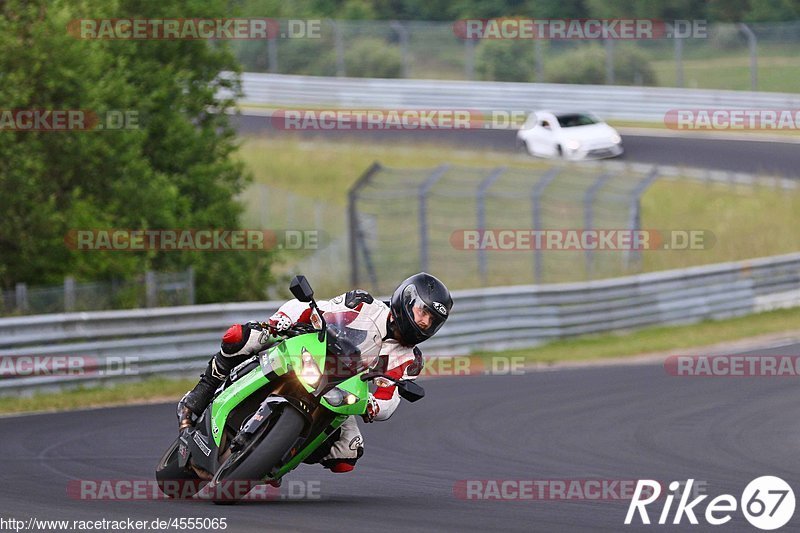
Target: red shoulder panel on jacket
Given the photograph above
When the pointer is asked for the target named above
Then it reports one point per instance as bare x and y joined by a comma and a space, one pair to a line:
233, 335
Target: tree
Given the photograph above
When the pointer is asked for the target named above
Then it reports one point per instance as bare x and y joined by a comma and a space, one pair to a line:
174, 171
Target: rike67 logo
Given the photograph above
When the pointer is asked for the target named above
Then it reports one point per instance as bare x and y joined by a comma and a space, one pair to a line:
767, 503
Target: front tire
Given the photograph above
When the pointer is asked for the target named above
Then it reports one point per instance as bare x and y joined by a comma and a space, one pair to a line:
250, 465
176, 482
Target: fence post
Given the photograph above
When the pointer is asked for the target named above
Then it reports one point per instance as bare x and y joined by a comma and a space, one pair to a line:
150, 289
469, 59
678, 61
609, 61
424, 189
272, 53
190, 285
538, 68
354, 230
402, 32
752, 43
588, 217
338, 44
21, 297
69, 293
536, 209
481, 200
635, 221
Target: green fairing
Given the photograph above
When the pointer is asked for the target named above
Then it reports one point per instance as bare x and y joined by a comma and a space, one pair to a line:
282, 359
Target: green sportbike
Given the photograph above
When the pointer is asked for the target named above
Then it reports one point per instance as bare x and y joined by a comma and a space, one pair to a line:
278, 407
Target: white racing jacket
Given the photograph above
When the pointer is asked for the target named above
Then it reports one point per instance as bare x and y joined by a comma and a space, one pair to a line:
403, 361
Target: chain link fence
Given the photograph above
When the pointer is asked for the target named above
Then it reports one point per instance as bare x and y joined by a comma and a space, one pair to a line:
720, 56
320, 252
152, 289
406, 220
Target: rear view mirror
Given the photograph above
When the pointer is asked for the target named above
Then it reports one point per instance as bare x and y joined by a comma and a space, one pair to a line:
410, 391
301, 289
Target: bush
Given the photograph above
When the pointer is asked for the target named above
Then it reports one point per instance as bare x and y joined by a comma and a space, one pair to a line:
587, 65
726, 37
373, 58
505, 60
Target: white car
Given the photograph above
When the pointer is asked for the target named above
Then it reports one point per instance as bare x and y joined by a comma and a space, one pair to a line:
569, 136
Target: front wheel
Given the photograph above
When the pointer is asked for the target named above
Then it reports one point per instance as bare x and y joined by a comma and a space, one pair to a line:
174, 481
250, 465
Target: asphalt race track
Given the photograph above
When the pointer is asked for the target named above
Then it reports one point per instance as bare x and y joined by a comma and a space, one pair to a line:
779, 158
614, 423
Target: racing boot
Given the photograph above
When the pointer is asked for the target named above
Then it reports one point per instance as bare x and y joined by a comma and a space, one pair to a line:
195, 401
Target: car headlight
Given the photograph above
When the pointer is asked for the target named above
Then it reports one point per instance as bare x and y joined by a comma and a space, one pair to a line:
572, 144
310, 372
616, 139
337, 397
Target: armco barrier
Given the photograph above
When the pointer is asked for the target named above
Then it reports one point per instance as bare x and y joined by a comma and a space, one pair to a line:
176, 341
609, 101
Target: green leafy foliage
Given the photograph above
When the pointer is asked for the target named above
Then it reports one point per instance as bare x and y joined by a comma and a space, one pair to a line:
505, 60
370, 57
587, 65
174, 170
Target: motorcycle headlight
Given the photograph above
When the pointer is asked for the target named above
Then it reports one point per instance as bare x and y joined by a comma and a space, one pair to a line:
337, 397
310, 373
572, 144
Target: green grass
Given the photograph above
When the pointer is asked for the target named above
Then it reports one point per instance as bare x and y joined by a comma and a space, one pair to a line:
775, 74
677, 339
747, 222
121, 394
327, 169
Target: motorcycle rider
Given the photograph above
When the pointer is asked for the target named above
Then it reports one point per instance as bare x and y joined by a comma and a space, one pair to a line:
418, 308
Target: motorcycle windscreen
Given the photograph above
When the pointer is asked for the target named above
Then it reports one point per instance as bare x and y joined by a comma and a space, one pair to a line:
354, 343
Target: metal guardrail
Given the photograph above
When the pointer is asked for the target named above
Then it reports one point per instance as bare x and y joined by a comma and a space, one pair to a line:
177, 341
610, 102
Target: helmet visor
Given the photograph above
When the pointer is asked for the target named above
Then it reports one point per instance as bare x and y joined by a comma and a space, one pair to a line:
425, 319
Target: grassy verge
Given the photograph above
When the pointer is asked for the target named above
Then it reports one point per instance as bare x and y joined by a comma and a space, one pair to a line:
745, 221
121, 394
325, 169
673, 338
775, 74
662, 338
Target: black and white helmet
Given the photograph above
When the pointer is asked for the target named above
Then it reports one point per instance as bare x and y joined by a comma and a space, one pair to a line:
427, 293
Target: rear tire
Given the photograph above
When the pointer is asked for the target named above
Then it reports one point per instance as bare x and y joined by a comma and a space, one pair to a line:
176, 482
253, 463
